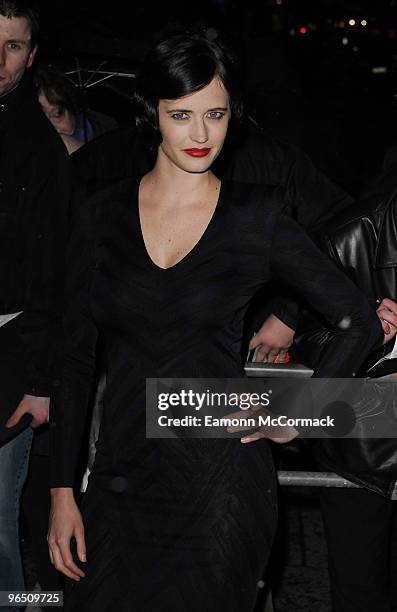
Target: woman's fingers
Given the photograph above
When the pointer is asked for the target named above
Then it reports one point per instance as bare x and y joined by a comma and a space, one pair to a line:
80, 544
64, 562
253, 437
64, 547
63, 527
262, 353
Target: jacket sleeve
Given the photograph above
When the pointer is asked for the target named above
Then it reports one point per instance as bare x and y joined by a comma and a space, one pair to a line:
311, 198
44, 245
356, 329
69, 413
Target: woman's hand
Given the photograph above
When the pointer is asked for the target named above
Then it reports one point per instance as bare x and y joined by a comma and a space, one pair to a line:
387, 313
65, 523
281, 434
273, 339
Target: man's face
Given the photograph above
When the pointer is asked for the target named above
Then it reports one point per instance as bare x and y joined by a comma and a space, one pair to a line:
15, 52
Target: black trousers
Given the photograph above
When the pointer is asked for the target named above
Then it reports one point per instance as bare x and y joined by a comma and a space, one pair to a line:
361, 532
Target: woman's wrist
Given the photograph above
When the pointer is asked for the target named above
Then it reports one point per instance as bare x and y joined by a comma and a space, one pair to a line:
62, 493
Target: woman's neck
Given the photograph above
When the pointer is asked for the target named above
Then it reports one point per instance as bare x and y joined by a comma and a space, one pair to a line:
173, 182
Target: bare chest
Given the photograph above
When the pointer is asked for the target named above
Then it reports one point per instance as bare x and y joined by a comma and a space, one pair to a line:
171, 234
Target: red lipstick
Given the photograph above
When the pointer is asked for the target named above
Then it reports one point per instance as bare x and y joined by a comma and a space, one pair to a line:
197, 152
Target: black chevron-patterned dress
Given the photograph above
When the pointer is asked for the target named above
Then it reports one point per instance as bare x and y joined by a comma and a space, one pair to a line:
180, 525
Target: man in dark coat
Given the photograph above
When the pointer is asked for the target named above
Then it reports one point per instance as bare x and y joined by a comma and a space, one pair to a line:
361, 524
34, 192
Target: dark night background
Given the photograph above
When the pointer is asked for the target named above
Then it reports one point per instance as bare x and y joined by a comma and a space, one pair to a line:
319, 73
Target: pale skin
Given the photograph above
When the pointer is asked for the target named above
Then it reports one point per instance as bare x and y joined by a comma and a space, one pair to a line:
71, 143
16, 54
387, 313
274, 338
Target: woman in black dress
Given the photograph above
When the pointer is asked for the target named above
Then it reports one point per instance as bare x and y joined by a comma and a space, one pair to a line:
163, 269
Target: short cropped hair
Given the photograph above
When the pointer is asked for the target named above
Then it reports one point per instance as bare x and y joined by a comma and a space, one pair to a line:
19, 8
178, 66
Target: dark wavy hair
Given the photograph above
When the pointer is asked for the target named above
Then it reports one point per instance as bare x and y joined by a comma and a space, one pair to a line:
177, 66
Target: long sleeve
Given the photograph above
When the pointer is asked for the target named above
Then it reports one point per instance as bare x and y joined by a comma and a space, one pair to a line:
300, 264
311, 199
34, 199
45, 229
69, 415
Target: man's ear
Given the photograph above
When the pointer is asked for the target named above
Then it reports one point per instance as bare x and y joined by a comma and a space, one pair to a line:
31, 56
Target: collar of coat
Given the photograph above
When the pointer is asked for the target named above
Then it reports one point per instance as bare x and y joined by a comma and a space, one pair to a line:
386, 245
14, 102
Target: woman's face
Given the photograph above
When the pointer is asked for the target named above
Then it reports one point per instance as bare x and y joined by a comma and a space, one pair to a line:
61, 118
194, 127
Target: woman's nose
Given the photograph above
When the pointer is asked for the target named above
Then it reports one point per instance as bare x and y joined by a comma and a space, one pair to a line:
199, 131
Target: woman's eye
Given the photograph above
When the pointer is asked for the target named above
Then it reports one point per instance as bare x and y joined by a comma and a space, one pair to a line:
14, 46
179, 116
216, 115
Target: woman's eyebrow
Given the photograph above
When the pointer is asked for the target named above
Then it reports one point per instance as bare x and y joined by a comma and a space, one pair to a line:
185, 110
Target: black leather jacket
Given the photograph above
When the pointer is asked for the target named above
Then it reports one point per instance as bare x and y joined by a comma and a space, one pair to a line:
363, 242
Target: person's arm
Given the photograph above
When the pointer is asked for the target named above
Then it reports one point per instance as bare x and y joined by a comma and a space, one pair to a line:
44, 246
356, 326
297, 261
311, 200
79, 350
312, 197
71, 405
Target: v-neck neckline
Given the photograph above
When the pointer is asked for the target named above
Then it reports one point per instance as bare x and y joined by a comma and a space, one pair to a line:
196, 245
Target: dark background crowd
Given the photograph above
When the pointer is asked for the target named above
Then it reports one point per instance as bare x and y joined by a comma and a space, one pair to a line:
318, 73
